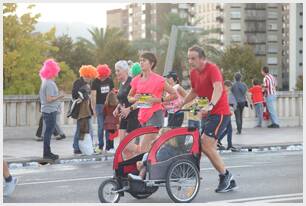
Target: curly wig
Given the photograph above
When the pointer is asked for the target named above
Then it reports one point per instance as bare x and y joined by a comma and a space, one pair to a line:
49, 70
103, 70
88, 71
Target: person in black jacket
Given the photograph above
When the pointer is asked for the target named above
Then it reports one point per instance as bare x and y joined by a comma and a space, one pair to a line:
81, 93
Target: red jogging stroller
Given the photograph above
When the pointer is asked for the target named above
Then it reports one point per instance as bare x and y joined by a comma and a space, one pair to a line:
178, 173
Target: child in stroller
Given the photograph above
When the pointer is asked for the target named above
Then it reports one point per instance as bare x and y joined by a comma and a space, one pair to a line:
168, 150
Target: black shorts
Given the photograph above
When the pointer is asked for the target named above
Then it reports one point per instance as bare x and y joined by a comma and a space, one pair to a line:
214, 125
131, 122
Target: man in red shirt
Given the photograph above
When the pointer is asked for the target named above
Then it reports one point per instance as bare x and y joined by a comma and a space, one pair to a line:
207, 81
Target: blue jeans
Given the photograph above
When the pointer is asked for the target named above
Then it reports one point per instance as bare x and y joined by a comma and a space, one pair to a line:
100, 121
50, 121
270, 99
77, 134
229, 132
259, 113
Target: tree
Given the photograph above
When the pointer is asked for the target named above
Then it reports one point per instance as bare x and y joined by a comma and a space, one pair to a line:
81, 55
299, 83
109, 46
25, 51
65, 78
64, 52
241, 59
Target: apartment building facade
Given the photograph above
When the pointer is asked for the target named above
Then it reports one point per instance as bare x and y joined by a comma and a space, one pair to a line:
118, 18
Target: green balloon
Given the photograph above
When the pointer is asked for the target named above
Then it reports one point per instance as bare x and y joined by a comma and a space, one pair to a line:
135, 69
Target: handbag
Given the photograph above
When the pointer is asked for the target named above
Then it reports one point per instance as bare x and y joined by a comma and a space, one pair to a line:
85, 145
73, 109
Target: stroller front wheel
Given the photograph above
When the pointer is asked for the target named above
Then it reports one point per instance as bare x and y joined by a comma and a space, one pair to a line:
107, 192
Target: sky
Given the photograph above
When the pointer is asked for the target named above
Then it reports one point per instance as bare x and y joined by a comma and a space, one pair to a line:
89, 13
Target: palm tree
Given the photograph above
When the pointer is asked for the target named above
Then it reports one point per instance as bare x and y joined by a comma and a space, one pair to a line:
109, 45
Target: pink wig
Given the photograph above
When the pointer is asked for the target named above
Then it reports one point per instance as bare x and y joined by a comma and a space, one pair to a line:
49, 70
103, 70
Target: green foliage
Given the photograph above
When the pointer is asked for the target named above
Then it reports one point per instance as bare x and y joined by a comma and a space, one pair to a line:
81, 55
25, 51
241, 59
65, 78
109, 46
64, 44
299, 83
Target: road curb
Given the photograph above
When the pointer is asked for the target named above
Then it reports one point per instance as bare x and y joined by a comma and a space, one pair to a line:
36, 162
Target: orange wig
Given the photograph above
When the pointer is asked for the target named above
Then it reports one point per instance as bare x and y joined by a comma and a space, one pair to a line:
88, 71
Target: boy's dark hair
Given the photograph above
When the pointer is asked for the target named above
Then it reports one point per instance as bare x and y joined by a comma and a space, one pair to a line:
199, 50
256, 82
237, 76
228, 83
265, 69
151, 57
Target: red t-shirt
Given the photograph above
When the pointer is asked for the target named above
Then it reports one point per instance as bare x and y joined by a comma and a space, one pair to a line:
257, 95
202, 83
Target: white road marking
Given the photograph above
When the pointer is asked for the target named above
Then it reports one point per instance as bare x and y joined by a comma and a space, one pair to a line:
263, 199
104, 177
239, 166
65, 180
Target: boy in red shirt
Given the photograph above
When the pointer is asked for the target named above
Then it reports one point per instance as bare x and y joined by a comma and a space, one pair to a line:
257, 98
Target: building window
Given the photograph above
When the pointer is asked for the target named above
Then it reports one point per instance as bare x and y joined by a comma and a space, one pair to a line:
272, 15
272, 49
236, 38
272, 38
255, 27
272, 26
301, 26
235, 26
260, 50
272, 5
272, 60
235, 15
301, 51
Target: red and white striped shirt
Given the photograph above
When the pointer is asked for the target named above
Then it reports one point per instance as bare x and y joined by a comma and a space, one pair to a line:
269, 83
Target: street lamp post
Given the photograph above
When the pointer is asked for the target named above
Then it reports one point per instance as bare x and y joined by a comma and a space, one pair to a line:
172, 44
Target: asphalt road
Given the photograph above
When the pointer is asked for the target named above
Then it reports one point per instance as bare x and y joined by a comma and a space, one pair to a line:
263, 177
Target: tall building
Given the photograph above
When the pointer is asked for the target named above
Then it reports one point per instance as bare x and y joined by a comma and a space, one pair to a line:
258, 25
145, 18
295, 43
118, 18
209, 16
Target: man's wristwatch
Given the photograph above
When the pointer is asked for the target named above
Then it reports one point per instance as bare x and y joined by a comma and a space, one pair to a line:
131, 108
211, 104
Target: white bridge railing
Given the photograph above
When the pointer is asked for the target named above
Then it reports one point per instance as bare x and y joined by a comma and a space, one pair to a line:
23, 112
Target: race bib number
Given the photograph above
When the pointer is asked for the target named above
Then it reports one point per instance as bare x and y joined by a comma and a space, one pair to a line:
203, 102
105, 90
143, 101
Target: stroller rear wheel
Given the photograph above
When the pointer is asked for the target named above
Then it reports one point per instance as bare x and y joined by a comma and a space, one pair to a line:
106, 191
183, 181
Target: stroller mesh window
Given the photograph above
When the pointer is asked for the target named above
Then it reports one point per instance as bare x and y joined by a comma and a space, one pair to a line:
138, 145
175, 146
